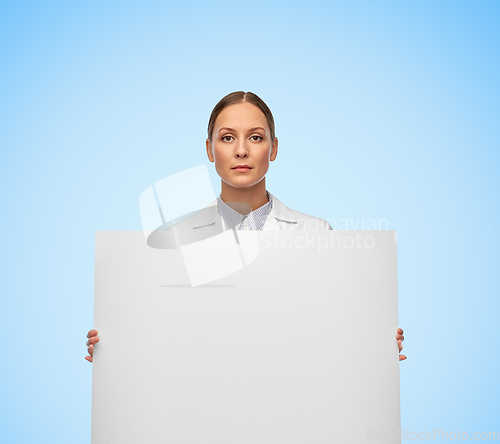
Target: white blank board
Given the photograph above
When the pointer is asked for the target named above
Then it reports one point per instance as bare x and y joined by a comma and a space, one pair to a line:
297, 347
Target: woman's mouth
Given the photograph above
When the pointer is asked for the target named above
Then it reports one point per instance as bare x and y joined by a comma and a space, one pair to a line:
242, 168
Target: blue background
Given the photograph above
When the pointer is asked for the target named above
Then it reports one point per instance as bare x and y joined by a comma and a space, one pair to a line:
384, 110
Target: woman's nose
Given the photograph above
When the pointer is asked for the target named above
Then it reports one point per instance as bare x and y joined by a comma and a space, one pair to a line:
241, 150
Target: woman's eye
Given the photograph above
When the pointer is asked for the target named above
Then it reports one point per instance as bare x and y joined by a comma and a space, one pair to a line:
228, 138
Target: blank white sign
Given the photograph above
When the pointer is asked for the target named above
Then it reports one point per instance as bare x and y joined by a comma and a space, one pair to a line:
296, 347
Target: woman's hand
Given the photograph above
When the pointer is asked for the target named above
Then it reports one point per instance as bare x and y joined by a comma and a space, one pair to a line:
400, 338
93, 339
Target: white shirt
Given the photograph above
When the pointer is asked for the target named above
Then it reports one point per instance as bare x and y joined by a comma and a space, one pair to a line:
254, 220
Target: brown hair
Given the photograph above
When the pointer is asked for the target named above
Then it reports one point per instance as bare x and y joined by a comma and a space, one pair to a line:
238, 97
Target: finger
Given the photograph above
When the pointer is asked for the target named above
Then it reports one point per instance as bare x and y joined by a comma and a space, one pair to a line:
400, 331
400, 337
402, 357
400, 345
94, 340
92, 333
91, 349
89, 358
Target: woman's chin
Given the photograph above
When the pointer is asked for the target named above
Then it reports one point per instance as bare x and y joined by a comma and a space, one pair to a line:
243, 182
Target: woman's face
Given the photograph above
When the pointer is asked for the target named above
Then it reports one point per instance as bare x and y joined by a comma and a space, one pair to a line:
241, 136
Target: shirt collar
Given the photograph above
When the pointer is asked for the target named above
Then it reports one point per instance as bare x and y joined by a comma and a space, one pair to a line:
254, 220
279, 212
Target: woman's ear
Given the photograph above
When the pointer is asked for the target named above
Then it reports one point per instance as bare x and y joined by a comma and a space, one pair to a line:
210, 153
274, 149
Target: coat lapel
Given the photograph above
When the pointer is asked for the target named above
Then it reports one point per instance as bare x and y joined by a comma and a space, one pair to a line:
280, 217
208, 216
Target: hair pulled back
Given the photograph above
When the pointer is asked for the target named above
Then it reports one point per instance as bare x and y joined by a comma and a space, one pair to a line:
239, 97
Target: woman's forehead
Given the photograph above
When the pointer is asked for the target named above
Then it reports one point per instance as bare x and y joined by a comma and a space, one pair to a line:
241, 116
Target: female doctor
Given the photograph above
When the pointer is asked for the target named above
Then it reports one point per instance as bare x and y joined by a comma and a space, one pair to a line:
241, 142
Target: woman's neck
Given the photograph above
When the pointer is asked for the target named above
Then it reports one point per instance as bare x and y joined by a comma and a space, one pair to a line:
254, 196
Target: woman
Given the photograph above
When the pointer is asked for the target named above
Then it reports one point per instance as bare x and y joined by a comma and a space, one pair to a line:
241, 142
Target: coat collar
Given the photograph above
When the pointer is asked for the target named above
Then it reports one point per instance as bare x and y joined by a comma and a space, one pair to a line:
279, 213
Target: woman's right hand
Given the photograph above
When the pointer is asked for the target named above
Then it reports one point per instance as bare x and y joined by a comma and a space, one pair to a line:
93, 339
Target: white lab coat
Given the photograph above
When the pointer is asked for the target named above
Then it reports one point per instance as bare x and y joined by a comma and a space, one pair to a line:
208, 223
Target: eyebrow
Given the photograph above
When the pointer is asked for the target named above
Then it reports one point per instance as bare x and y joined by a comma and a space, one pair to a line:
250, 130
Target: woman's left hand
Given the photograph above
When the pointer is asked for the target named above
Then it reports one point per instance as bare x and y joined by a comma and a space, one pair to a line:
400, 338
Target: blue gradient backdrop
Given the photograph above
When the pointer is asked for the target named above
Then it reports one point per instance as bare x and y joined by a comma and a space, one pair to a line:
384, 110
